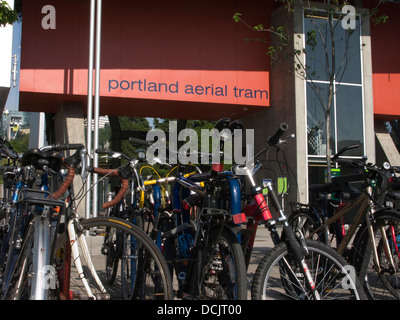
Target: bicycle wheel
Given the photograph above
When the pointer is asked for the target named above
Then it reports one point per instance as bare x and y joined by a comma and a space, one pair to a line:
306, 223
278, 276
383, 285
222, 271
147, 277
31, 271
18, 286
114, 244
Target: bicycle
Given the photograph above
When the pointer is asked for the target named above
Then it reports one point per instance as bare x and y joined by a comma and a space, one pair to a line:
128, 208
198, 238
80, 241
374, 250
328, 199
29, 220
294, 268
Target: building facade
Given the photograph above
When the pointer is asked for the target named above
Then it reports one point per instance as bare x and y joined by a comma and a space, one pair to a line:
190, 60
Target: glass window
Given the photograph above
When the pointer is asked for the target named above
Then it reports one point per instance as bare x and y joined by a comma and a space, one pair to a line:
349, 122
346, 112
316, 119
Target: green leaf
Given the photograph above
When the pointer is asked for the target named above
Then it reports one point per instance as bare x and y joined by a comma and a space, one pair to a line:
236, 17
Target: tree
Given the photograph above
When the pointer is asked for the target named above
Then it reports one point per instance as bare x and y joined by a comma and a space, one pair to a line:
21, 143
132, 124
7, 15
320, 49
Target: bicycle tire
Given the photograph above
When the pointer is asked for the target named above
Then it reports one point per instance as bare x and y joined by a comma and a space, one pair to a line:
329, 270
18, 286
222, 270
386, 284
305, 222
152, 282
31, 270
114, 253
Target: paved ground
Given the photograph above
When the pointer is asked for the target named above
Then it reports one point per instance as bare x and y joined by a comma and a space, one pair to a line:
262, 244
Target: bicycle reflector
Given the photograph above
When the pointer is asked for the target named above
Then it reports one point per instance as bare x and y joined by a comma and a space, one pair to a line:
239, 218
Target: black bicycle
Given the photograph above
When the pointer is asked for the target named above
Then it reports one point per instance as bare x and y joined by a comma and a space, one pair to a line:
361, 195
198, 236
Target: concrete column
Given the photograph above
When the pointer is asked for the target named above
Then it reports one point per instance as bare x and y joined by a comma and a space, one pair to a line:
37, 137
369, 135
69, 128
287, 93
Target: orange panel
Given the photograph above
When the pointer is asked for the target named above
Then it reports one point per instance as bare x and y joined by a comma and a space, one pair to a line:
386, 94
192, 52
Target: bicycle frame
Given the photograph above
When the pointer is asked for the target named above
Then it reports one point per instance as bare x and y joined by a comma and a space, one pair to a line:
366, 208
72, 221
74, 239
19, 229
257, 210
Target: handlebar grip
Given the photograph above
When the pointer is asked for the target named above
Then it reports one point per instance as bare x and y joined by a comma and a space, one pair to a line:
104, 151
68, 180
124, 185
72, 146
124, 188
64, 147
272, 141
103, 172
139, 141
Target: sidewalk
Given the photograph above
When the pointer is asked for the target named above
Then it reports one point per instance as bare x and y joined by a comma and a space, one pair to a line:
262, 245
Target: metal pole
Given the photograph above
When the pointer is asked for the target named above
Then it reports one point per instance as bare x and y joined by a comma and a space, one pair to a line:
96, 104
90, 103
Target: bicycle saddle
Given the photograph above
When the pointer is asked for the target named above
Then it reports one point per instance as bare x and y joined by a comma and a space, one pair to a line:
340, 185
323, 188
225, 123
39, 159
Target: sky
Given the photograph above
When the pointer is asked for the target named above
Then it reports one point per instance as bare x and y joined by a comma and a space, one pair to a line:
13, 96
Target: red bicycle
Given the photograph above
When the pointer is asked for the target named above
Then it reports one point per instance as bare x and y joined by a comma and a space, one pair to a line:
295, 268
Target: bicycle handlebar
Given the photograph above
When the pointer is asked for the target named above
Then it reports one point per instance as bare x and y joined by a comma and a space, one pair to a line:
67, 182
273, 140
62, 147
337, 155
112, 154
124, 185
139, 141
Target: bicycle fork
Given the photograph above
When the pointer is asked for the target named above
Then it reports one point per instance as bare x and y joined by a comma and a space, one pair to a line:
41, 256
385, 241
37, 247
74, 240
293, 245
